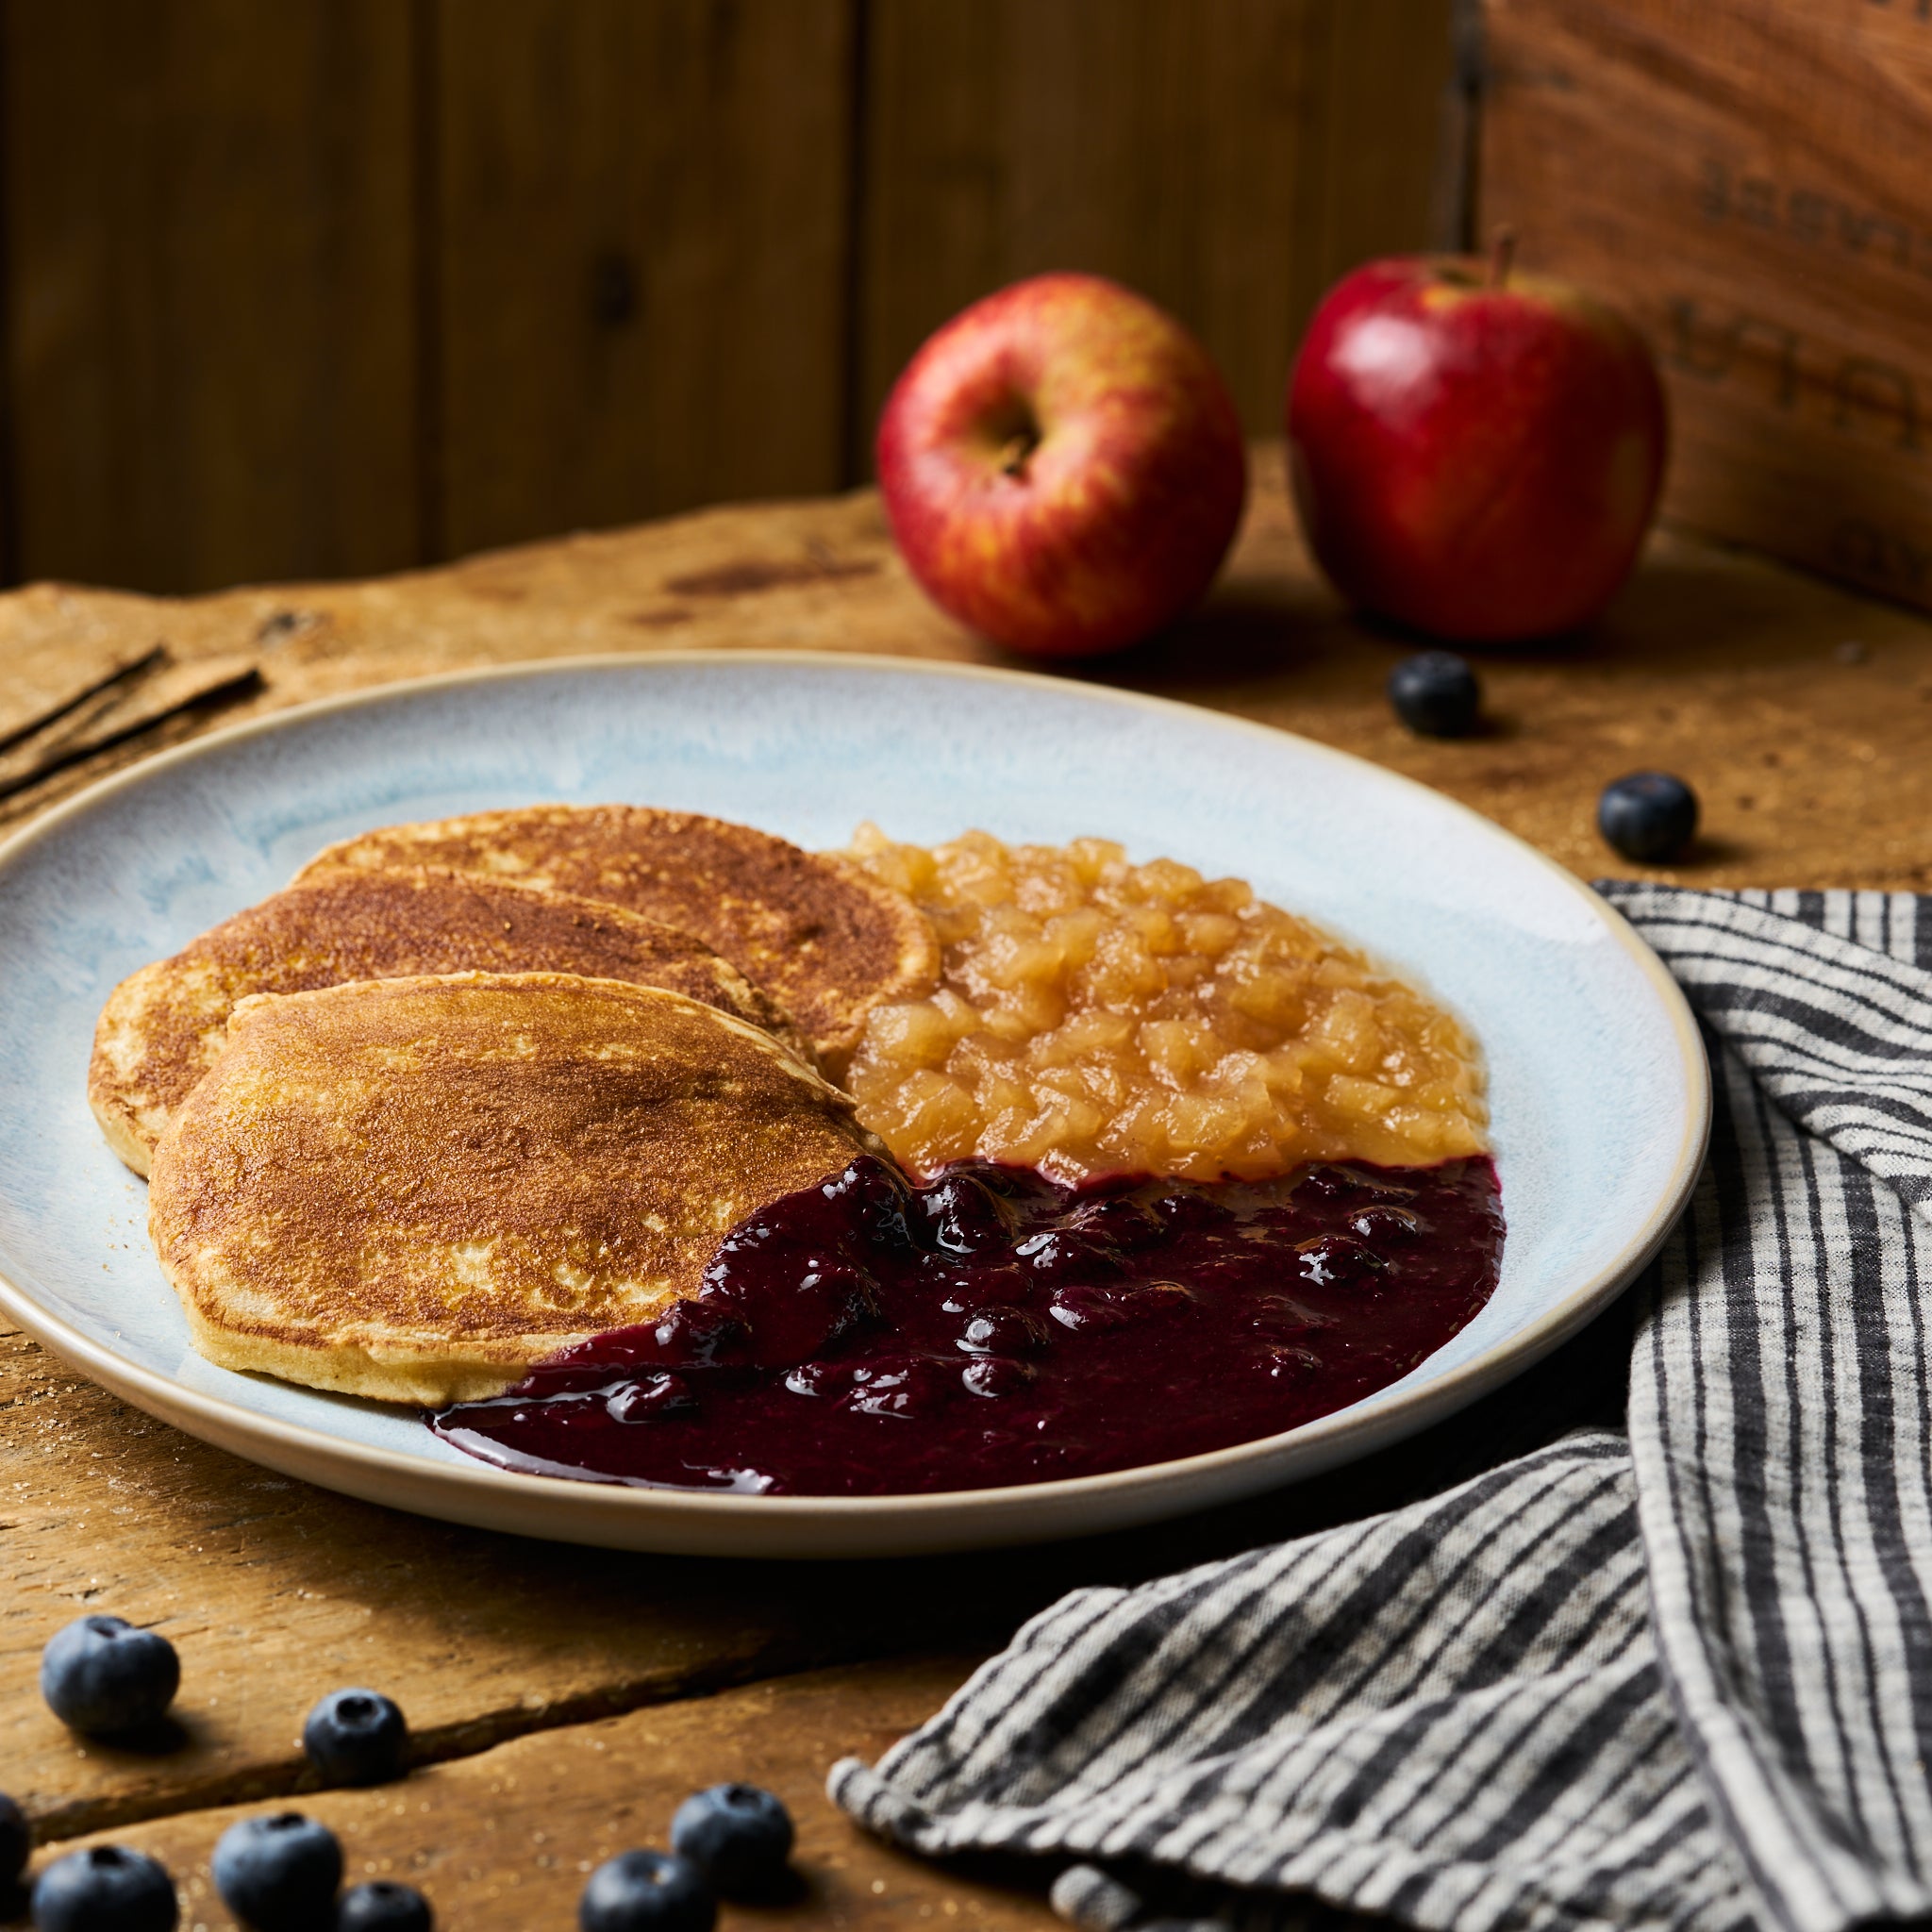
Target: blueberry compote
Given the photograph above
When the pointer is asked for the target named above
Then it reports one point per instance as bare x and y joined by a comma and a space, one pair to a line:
868, 1336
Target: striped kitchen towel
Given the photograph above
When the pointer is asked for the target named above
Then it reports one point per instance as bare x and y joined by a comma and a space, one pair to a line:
1682, 1680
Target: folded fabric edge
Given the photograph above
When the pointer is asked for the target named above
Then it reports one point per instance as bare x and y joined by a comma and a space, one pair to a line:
1370, 1876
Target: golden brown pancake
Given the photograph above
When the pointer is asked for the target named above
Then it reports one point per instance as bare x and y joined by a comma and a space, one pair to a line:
825, 939
413, 1188
161, 1029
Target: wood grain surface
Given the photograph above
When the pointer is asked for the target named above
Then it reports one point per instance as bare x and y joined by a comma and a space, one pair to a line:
1230, 162
336, 286
209, 251
640, 257
1798, 710
1743, 175
561, 1803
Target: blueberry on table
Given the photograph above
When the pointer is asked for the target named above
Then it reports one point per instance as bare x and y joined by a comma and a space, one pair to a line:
380, 1907
105, 1889
1647, 815
278, 1871
646, 1891
16, 1840
355, 1738
102, 1674
1436, 694
738, 1835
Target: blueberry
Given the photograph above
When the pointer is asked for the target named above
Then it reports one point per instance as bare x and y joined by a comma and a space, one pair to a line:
875, 1197
1000, 1331
1060, 1252
1121, 1222
1333, 1260
818, 1378
996, 1376
355, 1738
105, 1889
1188, 1211
964, 1217
1384, 1224
695, 1334
650, 1397
380, 1907
16, 1840
1647, 815
1099, 1307
278, 1871
646, 1891
738, 1835
1330, 1183
102, 1674
1435, 693
901, 1385
1280, 1318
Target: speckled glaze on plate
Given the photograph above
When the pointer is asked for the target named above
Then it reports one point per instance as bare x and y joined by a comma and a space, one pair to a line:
1598, 1084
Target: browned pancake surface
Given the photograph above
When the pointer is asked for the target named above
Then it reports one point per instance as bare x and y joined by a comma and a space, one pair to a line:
825, 939
412, 1189
162, 1027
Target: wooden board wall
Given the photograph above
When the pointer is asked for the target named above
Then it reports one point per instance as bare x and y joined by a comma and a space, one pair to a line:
1747, 176
209, 288
641, 250
1228, 158
328, 287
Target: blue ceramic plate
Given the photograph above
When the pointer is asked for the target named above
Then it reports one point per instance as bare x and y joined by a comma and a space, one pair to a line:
1597, 1080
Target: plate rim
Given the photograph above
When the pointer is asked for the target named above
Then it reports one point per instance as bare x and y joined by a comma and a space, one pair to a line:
164, 1395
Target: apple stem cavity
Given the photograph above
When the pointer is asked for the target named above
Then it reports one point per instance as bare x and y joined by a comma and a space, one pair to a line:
1502, 254
1018, 453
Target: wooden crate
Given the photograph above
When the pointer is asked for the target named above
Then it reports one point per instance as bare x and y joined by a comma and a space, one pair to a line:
1749, 178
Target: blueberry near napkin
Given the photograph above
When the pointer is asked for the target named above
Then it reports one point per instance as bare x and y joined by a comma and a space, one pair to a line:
1682, 1680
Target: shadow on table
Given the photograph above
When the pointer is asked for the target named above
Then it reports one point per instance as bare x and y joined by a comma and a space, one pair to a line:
870, 1609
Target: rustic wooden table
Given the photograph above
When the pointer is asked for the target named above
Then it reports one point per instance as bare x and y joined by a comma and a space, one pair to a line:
563, 1699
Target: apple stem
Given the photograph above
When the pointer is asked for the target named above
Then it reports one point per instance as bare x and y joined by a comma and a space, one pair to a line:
1501, 253
1014, 458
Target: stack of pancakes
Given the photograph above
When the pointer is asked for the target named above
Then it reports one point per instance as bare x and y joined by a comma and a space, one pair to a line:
468, 1093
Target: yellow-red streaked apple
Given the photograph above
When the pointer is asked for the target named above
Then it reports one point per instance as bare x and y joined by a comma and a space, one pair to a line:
1062, 466
1474, 453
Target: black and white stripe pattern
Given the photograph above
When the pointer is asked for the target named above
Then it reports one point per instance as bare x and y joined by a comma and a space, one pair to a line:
1683, 1681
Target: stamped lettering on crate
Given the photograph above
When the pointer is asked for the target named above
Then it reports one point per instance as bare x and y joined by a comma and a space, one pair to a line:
1808, 216
1861, 394
1885, 558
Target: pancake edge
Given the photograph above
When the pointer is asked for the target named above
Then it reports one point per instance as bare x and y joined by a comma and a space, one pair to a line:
133, 1142
411, 1376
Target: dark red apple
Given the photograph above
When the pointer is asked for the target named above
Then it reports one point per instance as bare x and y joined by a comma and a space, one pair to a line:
1062, 466
1474, 453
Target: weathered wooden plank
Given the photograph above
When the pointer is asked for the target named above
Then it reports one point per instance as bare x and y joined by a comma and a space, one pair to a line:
49, 689
505, 1840
1713, 664
1743, 175
1377, 117
1735, 671
642, 256
274, 1592
208, 247
1225, 159
152, 692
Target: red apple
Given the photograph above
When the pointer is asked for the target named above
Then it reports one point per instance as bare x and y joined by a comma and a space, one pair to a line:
1062, 466
1474, 453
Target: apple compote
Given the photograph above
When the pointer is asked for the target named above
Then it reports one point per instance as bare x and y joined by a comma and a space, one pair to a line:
1095, 1017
